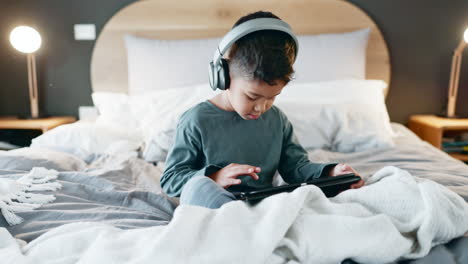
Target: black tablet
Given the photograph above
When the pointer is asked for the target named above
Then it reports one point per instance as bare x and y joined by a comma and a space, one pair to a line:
330, 186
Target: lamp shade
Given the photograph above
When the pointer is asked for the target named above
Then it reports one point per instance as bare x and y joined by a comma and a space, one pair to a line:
466, 35
25, 39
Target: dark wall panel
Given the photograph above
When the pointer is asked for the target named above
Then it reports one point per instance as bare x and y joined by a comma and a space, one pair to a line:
63, 63
421, 35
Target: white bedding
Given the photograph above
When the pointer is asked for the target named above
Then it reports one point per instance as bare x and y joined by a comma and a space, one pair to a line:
192, 229
394, 216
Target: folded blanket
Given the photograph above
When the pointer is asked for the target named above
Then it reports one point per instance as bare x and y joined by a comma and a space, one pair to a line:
16, 196
394, 216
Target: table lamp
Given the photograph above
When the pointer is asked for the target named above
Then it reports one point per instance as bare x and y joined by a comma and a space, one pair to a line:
455, 76
27, 40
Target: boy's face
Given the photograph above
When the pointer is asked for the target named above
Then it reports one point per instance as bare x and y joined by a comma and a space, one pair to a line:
251, 98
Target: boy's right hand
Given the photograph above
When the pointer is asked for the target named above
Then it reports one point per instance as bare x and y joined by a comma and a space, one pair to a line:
227, 176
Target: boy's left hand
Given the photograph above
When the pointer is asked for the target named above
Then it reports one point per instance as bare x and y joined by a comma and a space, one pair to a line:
341, 169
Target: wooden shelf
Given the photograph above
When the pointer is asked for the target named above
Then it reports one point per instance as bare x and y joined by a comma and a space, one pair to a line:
43, 124
441, 122
462, 157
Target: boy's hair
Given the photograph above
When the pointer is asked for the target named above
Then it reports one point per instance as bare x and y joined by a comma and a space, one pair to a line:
266, 55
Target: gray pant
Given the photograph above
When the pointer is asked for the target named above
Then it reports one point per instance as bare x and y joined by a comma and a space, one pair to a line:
203, 191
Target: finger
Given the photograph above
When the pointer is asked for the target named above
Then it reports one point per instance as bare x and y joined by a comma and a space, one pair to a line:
246, 170
251, 169
339, 169
342, 166
234, 181
253, 174
348, 169
357, 185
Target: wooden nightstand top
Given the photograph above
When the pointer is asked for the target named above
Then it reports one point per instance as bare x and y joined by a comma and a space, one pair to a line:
441, 122
43, 124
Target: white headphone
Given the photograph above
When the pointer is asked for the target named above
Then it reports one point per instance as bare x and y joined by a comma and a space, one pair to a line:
218, 69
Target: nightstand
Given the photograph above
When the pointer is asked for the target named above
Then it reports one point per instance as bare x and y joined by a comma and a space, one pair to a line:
20, 131
433, 128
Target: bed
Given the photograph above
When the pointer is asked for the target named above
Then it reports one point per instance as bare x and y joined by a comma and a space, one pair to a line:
110, 204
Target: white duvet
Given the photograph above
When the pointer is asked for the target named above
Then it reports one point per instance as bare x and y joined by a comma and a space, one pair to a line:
395, 215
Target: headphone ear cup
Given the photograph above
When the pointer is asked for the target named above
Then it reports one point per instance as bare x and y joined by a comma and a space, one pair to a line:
211, 75
224, 79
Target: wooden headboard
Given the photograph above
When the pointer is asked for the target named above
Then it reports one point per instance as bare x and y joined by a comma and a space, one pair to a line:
188, 19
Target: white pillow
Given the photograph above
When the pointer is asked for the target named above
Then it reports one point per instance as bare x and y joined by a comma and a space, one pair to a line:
343, 116
114, 108
327, 57
152, 116
160, 112
348, 127
155, 64
335, 92
83, 139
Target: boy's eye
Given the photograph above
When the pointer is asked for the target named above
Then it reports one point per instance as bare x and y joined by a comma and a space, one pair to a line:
252, 99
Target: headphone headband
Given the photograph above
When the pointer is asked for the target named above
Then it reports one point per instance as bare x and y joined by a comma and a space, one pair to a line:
249, 27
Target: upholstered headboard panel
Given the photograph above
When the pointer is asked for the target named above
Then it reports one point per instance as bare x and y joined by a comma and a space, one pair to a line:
187, 19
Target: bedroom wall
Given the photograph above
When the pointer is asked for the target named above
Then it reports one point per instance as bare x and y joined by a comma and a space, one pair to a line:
421, 35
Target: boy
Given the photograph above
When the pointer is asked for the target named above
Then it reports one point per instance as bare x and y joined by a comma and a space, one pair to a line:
237, 140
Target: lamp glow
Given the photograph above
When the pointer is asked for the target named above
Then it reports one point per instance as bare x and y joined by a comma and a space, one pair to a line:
466, 35
25, 39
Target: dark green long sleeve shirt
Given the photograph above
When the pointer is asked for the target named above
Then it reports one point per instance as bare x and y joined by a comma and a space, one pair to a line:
209, 138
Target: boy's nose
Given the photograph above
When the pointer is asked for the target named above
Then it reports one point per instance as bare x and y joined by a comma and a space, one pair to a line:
260, 108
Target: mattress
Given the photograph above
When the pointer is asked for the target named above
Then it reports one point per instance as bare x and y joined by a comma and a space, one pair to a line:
124, 191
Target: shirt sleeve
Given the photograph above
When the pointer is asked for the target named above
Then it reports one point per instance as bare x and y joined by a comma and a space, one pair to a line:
294, 165
185, 160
